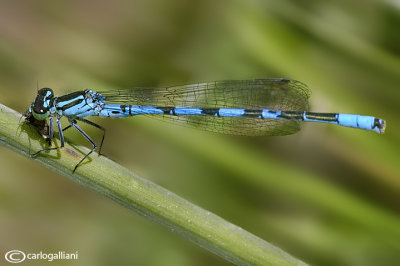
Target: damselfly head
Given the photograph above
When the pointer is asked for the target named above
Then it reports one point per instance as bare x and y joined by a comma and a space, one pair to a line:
41, 106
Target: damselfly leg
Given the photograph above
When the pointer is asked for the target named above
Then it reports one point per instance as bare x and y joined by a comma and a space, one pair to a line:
92, 124
73, 123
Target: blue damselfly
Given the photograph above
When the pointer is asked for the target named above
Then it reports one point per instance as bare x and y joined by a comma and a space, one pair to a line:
237, 107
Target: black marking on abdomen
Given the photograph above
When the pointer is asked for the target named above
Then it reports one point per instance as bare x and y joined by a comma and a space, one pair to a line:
168, 110
256, 113
322, 116
210, 111
295, 115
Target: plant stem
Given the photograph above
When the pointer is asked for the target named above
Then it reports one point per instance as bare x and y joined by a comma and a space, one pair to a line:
148, 199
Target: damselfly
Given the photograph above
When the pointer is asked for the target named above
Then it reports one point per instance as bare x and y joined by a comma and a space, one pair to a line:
236, 107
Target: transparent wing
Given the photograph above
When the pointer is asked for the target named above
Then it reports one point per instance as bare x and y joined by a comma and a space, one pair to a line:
273, 94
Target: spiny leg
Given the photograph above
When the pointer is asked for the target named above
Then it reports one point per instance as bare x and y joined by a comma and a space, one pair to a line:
73, 123
51, 135
96, 126
92, 124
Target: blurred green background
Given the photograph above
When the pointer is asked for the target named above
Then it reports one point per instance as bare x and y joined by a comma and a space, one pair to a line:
327, 195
